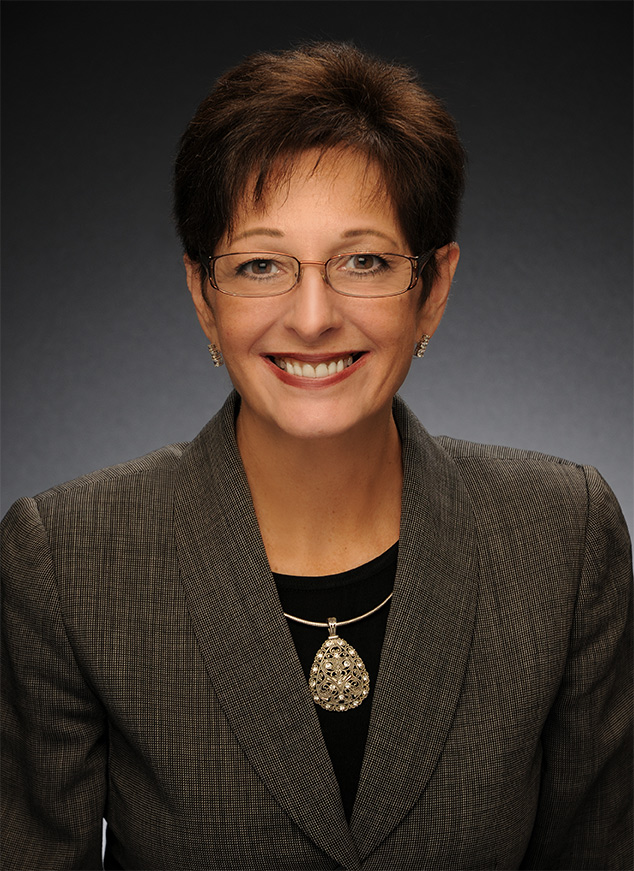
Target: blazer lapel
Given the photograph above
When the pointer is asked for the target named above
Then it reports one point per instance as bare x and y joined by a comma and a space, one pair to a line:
245, 640
428, 637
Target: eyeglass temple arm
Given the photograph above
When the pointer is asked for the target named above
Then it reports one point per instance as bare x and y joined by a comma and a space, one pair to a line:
205, 263
422, 260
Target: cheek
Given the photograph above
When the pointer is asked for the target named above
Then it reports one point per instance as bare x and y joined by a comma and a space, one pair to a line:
241, 325
400, 327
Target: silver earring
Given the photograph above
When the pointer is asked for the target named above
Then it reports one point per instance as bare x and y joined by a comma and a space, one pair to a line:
421, 346
216, 355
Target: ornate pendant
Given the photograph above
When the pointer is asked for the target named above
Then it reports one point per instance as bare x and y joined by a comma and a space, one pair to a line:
338, 679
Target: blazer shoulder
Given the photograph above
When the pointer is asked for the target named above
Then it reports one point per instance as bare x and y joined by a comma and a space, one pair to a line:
459, 449
517, 484
152, 465
500, 473
509, 488
108, 491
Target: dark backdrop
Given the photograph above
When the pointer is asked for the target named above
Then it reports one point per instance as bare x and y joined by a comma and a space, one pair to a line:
104, 359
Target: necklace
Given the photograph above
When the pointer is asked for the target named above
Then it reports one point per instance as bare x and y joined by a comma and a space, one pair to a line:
338, 680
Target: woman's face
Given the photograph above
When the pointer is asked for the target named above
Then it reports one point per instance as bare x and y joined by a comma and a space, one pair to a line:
332, 210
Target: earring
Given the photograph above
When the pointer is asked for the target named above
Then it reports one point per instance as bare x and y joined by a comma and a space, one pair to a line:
216, 355
421, 346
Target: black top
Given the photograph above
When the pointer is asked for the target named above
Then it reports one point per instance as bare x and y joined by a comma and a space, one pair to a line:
344, 596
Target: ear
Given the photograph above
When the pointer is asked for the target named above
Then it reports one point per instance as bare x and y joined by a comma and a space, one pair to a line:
434, 306
195, 282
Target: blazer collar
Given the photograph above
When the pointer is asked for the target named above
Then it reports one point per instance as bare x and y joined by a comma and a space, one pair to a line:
245, 640
428, 637
250, 656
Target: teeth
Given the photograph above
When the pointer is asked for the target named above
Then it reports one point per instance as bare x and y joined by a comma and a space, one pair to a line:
306, 370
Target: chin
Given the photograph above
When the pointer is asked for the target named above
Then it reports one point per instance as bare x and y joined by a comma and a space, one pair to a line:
325, 421
313, 414
317, 431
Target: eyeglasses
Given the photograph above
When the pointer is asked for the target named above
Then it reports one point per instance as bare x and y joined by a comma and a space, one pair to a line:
360, 274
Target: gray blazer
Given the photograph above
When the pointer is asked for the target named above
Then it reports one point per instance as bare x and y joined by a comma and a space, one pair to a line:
150, 676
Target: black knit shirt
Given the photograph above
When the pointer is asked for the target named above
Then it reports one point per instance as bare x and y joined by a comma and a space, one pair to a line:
345, 595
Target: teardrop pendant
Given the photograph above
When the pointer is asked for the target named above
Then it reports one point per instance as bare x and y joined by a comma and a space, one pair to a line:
338, 679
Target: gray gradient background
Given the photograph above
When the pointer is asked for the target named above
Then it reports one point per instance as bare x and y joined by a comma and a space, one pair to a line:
104, 358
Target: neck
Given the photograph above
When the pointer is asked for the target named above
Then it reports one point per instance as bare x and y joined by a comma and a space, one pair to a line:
324, 505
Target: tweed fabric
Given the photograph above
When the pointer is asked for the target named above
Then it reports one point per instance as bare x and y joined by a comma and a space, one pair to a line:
150, 677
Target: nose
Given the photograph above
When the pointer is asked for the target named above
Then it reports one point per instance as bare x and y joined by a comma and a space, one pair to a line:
313, 308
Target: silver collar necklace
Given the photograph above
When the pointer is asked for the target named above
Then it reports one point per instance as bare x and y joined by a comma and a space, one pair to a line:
338, 679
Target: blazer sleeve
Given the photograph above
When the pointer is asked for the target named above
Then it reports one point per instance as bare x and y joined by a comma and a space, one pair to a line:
584, 814
54, 743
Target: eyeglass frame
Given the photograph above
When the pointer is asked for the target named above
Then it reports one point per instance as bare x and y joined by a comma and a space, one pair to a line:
417, 265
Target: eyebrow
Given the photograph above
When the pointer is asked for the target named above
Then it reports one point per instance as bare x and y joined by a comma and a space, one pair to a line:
259, 231
354, 234
349, 234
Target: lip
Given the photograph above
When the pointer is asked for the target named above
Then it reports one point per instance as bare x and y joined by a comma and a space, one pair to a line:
315, 383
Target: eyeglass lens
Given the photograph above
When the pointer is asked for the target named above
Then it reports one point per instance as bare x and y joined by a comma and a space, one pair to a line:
356, 274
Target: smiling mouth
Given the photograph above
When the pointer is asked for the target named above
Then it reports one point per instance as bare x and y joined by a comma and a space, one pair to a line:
323, 369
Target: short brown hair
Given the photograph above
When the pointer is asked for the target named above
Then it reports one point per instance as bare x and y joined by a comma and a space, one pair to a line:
270, 108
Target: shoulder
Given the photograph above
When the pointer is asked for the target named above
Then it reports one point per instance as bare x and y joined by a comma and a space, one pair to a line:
132, 473
493, 475
117, 493
511, 491
133, 496
460, 449
518, 493
505, 473
109, 530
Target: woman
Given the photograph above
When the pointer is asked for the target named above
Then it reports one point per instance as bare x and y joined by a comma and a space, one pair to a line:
462, 700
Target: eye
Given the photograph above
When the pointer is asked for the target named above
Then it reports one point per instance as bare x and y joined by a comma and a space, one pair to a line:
259, 268
363, 262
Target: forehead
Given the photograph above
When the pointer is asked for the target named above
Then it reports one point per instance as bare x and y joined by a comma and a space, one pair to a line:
336, 184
